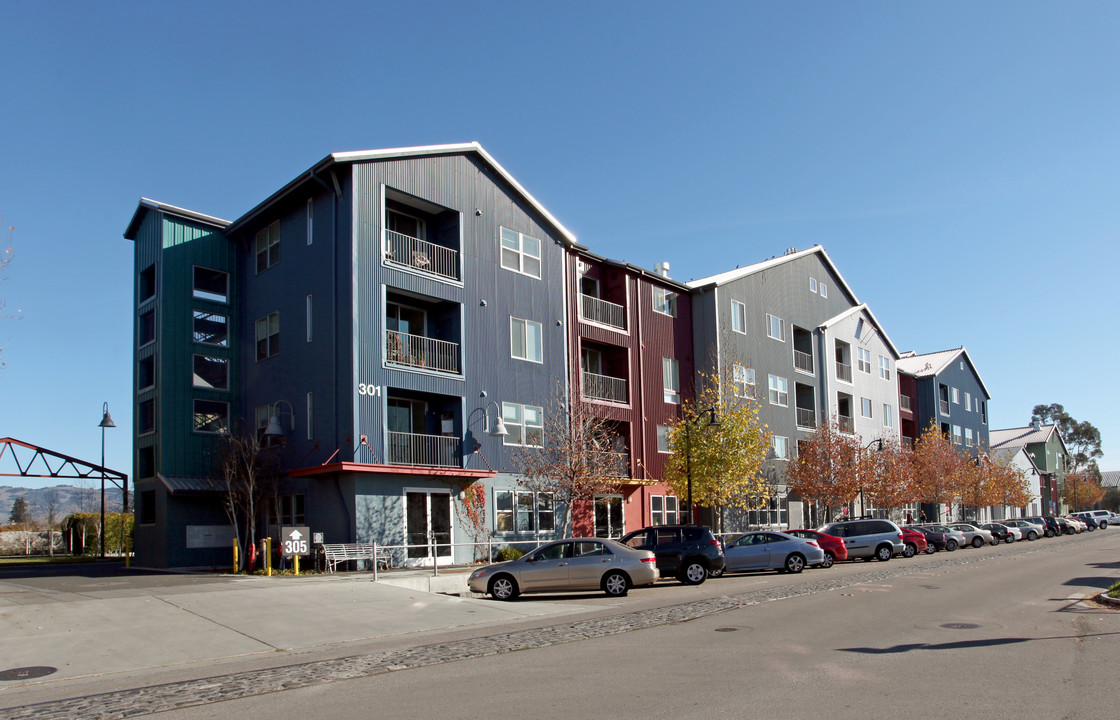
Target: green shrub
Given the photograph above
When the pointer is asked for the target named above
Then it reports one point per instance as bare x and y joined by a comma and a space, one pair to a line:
509, 552
1114, 591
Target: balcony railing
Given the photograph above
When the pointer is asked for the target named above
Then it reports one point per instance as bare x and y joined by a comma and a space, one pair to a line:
844, 371
604, 387
421, 352
904, 402
806, 418
421, 255
907, 443
601, 311
846, 423
615, 464
944, 405
426, 450
803, 361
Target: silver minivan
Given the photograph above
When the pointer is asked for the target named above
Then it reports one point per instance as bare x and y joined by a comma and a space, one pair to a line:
880, 539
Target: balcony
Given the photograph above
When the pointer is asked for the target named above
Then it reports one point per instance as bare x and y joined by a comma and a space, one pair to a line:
614, 464
421, 352
407, 251
424, 450
844, 371
604, 387
847, 424
904, 402
803, 361
806, 418
943, 405
907, 443
601, 311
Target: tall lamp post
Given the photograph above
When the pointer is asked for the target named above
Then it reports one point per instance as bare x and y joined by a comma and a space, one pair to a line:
878, 442
713, 420
106, 422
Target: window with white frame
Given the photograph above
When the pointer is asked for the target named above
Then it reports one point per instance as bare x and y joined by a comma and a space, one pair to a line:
523, 511
521, 253
663, 509
310, 221
665, 301
308, 318
780, 445
268, 336
663, 439
742, 377
984, 412
525, 340
525, 424
670, 376
968, 401
884, 367
956, 396
888, 415
812, 285
210, 285
268, 246
865, 407
968, 441
957, 434
863, 360
738, 317
775, 327
824, 290
779, 390
211, 416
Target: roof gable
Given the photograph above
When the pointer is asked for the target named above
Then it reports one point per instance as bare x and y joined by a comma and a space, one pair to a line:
863, 308
739, 273
934, 363
146, 205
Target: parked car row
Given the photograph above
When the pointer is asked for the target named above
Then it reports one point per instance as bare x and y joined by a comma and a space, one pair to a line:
692, 553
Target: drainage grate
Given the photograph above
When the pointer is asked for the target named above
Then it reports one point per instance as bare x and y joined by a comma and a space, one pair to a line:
726, 629
27, 673
960, 626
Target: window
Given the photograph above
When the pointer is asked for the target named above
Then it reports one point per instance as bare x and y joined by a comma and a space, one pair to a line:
742, 377
523, 511
665, 302
146, 462
824, 290
984, 413
956, 396
310, 416
775, 327
310, 221
663, 439
211, 416
147, 287
738, 317
670, 377
865, 407
521, 253
263, 414
525, 339
147, 507
525, 424
663, 509
957, 434
812, 285
289, 510
779, 391
211, 372
268, 336
863, 360
147, 421
884, 367
309, 318
211, 284
211, 328
146, 373
781, 447
888, 415
968, 437
146, 330
268, 246
968, 401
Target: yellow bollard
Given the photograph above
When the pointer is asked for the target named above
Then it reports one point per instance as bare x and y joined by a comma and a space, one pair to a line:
296, 566
235, 555
268, 557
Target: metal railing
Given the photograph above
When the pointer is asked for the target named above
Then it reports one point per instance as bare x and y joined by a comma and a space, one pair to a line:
846, 423
907, 443
422, 255
843, 371
615, 464
425, 450
803, 361
806, 418
601, 311
604, 387
944, 406
422, 352
904, 402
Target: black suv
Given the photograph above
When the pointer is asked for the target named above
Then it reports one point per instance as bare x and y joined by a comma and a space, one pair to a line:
688, 552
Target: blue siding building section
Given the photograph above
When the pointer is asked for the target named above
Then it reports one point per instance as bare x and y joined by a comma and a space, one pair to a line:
950, 394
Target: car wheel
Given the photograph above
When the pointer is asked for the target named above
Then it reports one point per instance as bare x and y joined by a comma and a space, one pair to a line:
616, 584
931, 549
504, 587
795, 563
995, 540
1032, 535
950, 545
1049, 533
828, 561
884, 553
1103, 524
909, 550
716, 573
977, 542
693, 573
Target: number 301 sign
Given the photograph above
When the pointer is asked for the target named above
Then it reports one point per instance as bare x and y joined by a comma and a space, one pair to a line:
295, 540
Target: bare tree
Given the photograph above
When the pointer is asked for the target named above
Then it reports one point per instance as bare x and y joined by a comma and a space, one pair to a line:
50, 506
250, 472
5, 259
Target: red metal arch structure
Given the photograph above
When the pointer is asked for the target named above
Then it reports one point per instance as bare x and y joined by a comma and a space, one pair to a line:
34, 461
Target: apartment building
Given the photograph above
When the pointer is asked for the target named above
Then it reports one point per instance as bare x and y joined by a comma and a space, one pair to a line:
944, 389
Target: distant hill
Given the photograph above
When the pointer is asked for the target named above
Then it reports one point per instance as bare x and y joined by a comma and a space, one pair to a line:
67, 498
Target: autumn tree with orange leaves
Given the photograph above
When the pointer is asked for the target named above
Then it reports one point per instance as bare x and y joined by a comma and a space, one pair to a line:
826, 470
888, 477
941, 473
1008, 484
1082, 491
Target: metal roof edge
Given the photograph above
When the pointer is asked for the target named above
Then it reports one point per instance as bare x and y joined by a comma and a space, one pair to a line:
863, 307
739, 273
147, 204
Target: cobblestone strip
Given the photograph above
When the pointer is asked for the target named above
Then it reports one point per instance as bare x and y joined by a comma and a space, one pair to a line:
160, 698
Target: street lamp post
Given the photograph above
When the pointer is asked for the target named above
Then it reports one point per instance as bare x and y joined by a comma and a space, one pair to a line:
106, 422
712, 420
878, 441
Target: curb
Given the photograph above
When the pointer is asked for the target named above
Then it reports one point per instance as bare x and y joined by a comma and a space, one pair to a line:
1105, 599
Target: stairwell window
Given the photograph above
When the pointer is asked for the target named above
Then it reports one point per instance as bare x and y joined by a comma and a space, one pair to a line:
521, 253
268, 246
211, 416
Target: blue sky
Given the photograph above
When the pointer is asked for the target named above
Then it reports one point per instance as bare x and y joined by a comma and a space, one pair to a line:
958, 160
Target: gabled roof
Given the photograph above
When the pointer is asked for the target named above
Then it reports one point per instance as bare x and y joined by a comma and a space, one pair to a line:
340, 158
1012, 452
1110, 478
931, 364
874, 320
146, 205
1021, 437
737, 273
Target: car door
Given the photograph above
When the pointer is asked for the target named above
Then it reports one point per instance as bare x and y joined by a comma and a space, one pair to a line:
748, 552
667, 548
547, 568
857, 540
590, 561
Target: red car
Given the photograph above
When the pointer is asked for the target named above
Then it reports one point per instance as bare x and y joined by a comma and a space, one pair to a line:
913, 541
833, 546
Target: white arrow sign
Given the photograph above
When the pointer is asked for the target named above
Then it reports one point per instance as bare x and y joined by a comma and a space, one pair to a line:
296, 535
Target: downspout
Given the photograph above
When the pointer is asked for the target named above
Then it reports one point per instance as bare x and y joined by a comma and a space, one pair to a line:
636, 307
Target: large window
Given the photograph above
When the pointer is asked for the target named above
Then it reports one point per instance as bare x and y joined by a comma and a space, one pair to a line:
211, 284
775, 327
742, 377
780, 445
968, 442
525, 339
147, 419
957, 434
147, 286
211, 328
884, 367
863, 360
268, 246
523, 511
663, 509
956, 396
521, 253
665, 301
211, 416
146, 330
671, 381
524, 423
211, 372
865, 407
888, 415
289, 510
663, 439
738, 317
268, 336
146, 373
779, 391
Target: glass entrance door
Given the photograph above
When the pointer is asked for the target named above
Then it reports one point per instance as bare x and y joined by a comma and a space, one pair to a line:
427, 523
608, 516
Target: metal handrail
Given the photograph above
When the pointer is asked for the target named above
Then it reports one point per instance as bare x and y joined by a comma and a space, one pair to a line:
843, 371
423, 352
806, 418
803, 361
602, 311
604, 387
424, 450
846, 423
401, 249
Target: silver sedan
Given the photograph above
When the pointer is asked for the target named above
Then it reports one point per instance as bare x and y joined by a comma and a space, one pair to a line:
1030, 531
772, 551
574, 564
974, 536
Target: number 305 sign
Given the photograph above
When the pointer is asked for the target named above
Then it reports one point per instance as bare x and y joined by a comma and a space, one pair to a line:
295, 540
